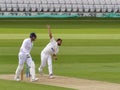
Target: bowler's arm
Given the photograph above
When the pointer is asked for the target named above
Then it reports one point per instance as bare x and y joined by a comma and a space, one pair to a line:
49, 31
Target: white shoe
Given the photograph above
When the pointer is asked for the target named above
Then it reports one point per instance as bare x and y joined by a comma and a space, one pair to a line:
40, 71
51, 76
17, 78
34, 80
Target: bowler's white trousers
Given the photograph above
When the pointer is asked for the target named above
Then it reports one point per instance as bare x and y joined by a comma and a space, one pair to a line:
46, 58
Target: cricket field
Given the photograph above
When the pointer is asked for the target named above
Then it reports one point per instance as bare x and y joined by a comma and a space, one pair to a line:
90, 49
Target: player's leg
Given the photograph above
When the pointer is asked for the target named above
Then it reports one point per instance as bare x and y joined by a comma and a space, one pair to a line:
27, 71
31, 65
22, 59
43, 62
50, 67
18, 72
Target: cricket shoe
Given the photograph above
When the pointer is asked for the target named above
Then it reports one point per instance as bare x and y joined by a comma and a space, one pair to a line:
17, 78
51, 76
40, 71
34, 80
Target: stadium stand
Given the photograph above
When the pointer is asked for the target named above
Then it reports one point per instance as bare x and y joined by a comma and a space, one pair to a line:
60, 7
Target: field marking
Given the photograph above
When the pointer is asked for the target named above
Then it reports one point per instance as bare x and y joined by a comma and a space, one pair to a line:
63, 36
73, 83
67, 50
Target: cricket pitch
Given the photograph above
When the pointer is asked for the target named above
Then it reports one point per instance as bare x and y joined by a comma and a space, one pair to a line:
74, 83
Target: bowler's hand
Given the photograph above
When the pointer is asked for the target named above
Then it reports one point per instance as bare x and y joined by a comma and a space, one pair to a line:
55, 57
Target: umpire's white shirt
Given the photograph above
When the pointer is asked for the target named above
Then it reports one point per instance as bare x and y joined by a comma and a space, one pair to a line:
26, 46
51, 48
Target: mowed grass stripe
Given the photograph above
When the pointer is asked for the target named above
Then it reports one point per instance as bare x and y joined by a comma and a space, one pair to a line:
66, 42
63, 36
73, 30
82, 50
62, 25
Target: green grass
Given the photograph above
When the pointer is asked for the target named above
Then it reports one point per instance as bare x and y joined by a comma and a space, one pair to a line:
66, 42
60, 26
90, 49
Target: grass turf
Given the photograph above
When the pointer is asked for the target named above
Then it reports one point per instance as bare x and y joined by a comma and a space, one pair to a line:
94, 58
60, 26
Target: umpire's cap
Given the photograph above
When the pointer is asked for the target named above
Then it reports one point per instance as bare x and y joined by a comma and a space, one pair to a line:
33, 35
